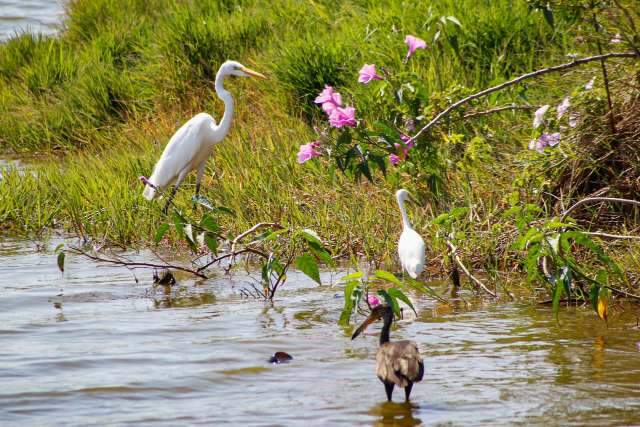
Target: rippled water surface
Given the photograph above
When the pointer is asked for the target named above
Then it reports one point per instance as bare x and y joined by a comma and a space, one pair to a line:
95, 347
41, 16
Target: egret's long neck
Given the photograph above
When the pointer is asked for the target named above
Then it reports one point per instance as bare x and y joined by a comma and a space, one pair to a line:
405, 217
384, 334
225, 96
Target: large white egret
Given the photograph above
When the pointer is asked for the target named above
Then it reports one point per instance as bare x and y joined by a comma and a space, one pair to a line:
190, 147
410, 246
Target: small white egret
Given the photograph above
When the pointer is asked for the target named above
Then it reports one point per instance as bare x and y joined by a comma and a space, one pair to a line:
410, 246
190, 147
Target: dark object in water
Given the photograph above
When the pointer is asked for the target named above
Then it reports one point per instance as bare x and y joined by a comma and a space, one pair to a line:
164, 278
281, 357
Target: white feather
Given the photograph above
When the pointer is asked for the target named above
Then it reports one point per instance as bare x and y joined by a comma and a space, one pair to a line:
411, 247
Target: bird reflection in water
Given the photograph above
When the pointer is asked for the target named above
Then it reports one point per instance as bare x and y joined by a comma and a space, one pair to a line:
395, 414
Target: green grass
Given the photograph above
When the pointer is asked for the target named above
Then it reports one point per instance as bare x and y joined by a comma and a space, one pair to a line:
103, 98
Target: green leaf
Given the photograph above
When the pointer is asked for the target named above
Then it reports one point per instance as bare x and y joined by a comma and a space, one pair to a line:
454, 20
398, 294
391, 301
308, 265
557, 295
178, 222
60, 260
211, 242
594, 292
58, 248
389, 277
160, 232
353, 276
349, 302
209, 224
310, 236
440, 219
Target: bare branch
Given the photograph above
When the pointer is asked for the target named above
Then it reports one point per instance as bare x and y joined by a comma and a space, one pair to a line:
232, 254
251, 230
478, 283
517, 80
131, 264
594, 200
499, 109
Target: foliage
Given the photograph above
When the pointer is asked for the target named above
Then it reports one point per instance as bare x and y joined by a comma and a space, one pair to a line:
357, 288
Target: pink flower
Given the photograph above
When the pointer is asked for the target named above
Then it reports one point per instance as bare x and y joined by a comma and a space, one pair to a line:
394, 159
340, 117
308, 151
563, 107
573, 120
407, 140
328, 95
414, 43
368, 73
589, 85
328, 107
545, 140
538, 116
373, 300
616, 39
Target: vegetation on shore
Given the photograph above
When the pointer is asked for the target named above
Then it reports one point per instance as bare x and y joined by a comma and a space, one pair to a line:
98, 103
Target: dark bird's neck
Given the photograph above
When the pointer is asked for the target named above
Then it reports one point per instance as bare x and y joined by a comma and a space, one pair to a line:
384, 334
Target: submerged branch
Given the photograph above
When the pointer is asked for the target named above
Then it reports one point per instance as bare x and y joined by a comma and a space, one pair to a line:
478, 283
135, 264
517, 80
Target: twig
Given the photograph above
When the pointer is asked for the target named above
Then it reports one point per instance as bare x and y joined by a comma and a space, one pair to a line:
499, 109
232, 254
611, 236
517, 80
131, 264
478, 283
596, 199
251, 230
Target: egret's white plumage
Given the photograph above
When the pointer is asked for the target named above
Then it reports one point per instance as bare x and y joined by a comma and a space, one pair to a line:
190, 147
410, 246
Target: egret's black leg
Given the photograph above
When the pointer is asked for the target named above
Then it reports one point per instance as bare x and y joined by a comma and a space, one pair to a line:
407, 391
170, 199
388, 387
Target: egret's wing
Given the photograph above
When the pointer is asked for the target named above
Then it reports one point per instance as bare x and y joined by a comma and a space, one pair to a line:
411, 249
186, 149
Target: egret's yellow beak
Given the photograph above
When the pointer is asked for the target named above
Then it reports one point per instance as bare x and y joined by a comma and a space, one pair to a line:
252, 73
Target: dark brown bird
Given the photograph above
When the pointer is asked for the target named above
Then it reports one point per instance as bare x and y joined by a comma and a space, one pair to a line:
398, 363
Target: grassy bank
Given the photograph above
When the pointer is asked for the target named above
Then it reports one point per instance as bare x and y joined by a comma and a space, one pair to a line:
102, 99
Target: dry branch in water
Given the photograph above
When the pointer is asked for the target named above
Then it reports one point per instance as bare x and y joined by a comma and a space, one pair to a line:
478, 284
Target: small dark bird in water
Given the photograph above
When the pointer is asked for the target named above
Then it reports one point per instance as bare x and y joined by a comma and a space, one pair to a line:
398, 363
281, 357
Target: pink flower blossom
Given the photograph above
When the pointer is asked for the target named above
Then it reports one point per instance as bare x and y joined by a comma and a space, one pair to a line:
368, 73
394, 159
308, 151
407, 140
328, 95
563, 107
373, 300
616, 39
589, 85
573, 120
538, 116
340, 117
414, 43
545, 140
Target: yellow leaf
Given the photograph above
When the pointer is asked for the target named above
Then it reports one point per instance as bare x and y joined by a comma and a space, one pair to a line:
602, 307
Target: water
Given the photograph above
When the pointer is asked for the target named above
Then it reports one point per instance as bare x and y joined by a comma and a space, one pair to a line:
39, 16
94, 346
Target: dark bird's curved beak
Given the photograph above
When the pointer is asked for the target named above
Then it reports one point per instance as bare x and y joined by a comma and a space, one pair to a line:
372, 318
